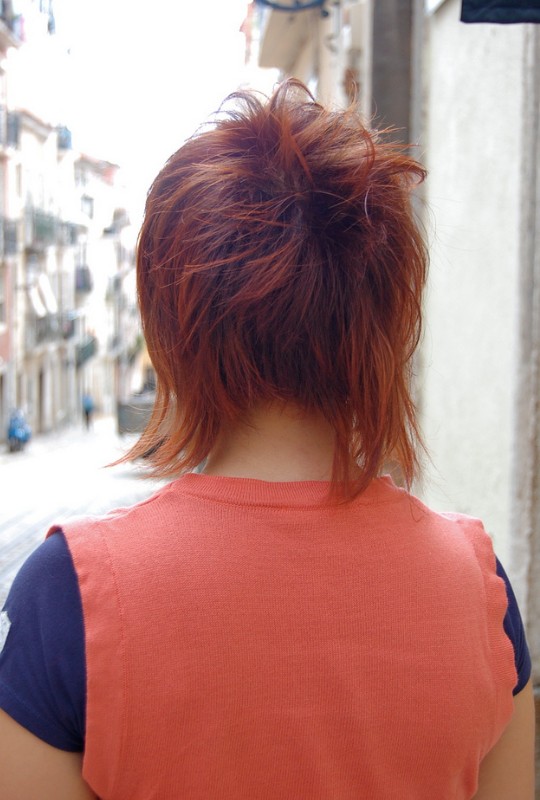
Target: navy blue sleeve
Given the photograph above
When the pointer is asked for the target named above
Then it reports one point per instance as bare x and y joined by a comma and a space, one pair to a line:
513, 625
42, 663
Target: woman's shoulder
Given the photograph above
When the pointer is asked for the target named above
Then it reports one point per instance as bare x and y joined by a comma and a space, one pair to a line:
42, 663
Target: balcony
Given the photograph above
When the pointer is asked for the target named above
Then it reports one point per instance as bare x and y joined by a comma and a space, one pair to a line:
84, 282
9, 236
85, 351
3, 125
40, 330
68, 324
10, 28
68, 234
13, 129
41, 229
283, 37
134, 349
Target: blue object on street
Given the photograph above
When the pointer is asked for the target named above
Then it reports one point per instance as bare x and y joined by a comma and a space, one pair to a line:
19, 431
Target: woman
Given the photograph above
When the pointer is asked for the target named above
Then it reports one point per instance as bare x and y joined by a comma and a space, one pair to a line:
285, 623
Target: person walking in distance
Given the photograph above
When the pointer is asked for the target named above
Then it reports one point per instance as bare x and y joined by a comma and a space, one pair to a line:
289, 622
88, 409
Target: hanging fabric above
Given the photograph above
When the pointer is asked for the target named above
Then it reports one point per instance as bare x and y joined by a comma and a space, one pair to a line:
504, 11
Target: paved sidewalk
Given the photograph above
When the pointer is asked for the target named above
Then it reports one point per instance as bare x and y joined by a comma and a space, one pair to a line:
60, 476
71, 465
102, 434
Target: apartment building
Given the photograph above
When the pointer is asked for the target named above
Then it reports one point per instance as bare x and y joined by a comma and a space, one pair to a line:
8, 39
68, 318
105, 285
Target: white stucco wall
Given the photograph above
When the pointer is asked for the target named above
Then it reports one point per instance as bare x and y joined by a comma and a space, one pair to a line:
472, 144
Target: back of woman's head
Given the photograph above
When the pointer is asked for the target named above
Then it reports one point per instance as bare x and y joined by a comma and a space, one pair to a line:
279, 261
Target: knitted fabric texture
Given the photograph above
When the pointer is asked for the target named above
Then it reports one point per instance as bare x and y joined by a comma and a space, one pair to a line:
245, 640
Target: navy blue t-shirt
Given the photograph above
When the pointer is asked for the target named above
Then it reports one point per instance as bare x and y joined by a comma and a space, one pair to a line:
42, 664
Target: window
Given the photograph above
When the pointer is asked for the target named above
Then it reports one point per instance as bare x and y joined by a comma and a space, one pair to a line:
87, 205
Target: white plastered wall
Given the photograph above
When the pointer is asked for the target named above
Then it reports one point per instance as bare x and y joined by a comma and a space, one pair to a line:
472, 139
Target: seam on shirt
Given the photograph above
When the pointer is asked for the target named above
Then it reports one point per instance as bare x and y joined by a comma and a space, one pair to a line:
123, 650
318, 507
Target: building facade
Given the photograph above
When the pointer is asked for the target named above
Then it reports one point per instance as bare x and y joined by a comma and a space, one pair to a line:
8, 243
68, 320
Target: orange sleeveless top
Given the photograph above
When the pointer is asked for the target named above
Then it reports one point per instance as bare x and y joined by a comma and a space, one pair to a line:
246, 641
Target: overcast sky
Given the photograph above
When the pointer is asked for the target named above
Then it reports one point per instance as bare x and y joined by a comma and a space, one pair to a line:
142, 76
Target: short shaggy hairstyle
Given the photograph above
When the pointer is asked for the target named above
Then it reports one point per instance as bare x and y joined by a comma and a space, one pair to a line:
279, 260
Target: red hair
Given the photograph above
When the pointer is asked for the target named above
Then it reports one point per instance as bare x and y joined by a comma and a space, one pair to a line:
279, 259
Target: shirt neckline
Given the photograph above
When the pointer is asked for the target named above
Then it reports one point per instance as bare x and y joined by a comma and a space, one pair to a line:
255, 492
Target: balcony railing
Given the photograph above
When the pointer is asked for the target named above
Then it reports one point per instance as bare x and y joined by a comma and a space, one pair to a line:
39, 330
41, 229
10, 26
3, 125
68, 325
13, 129
68, 234
85, 350
9, 236
84, 282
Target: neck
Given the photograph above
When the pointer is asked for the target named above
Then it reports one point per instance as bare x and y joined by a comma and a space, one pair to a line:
275, 443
